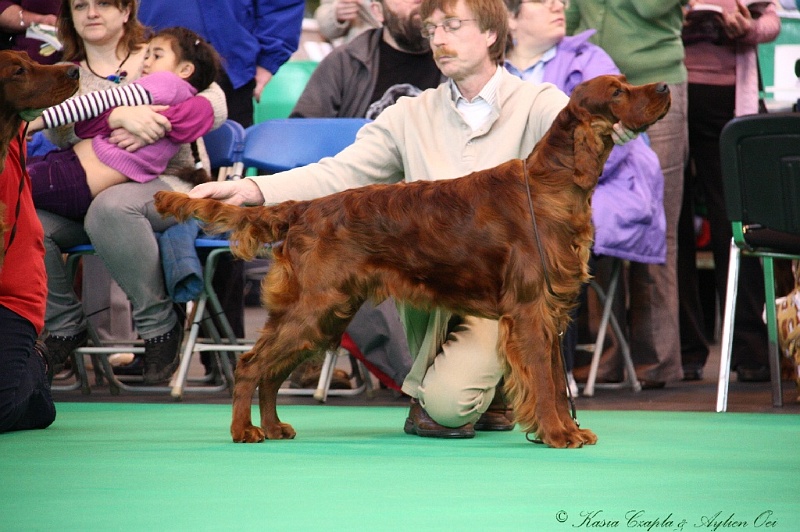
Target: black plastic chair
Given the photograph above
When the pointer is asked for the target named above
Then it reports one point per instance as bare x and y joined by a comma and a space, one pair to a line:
761, 179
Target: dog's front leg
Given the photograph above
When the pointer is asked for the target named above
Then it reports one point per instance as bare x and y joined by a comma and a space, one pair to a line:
559, 379
530, 383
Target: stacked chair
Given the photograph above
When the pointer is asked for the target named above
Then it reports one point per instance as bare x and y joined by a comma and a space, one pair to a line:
761, 181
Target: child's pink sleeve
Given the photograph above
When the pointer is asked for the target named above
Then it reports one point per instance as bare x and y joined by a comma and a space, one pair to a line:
190, 119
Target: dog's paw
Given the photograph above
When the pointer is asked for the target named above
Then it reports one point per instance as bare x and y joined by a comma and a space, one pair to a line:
248, 434
589, 437
280, 431
569, 438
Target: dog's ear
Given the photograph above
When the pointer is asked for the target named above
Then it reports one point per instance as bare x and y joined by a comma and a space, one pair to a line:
589, 153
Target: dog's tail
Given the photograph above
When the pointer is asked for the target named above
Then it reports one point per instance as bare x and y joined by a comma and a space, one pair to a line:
251, 227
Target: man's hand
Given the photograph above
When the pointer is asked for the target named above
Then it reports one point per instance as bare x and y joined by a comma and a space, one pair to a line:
621, 134
240, 192
263, 76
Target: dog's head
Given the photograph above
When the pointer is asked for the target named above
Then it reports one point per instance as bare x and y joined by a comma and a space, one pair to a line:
26, 87
614, 99
598, 104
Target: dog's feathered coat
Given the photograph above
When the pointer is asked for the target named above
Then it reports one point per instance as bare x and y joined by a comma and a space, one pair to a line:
465, 244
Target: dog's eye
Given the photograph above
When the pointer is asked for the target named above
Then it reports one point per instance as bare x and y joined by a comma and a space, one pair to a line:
617, 92
20, 71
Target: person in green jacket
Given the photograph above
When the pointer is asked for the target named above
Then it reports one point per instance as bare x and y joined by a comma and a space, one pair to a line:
643, 37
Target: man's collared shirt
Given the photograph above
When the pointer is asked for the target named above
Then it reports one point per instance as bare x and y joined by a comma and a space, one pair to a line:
477, 112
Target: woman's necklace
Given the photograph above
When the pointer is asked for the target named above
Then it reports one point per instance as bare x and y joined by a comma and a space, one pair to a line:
117, 76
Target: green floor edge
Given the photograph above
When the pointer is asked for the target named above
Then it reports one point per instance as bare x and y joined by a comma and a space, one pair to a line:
128, 466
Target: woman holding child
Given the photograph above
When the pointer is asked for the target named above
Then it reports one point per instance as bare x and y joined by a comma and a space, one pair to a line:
107, 41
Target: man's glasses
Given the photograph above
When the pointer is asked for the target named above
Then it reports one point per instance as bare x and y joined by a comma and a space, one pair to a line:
449, 25
547, 3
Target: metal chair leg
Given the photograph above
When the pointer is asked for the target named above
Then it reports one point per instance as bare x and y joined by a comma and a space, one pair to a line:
727, 328
772, 331
608, 318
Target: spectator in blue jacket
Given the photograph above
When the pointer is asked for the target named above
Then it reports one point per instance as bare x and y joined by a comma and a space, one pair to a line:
254, 38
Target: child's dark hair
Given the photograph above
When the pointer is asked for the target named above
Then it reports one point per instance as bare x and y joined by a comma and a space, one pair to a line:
188, 46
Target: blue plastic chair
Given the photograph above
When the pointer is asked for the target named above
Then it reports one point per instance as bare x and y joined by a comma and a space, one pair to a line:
225, 146
278, 145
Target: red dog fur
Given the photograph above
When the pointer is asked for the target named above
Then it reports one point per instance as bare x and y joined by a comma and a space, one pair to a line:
467, 246
26, 85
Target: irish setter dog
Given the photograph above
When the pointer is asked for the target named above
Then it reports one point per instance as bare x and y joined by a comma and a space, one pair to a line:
466, 244
25, 86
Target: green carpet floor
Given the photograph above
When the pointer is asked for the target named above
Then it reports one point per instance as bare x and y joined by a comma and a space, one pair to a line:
149, 467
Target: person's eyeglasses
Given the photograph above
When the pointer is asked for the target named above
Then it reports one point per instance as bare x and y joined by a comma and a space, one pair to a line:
449, 25
547, 3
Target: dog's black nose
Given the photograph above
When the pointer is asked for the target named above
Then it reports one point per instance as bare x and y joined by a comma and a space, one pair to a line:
73, 72
662, 87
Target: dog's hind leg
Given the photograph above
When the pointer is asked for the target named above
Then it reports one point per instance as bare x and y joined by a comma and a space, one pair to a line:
269, 364
268, 388
246, 379
306, 329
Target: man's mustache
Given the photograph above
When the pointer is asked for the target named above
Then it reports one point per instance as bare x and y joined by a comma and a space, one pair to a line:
440, 52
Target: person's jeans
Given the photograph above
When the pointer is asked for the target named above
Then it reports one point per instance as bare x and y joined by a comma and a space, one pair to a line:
25, 400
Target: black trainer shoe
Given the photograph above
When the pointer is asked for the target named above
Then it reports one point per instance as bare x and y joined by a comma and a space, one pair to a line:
42, 351
162, 355
61, 347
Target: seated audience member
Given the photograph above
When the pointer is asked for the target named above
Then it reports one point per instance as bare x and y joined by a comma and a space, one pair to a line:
110, 54
361, 79
177, 66
443, 133
627, 205
341, 21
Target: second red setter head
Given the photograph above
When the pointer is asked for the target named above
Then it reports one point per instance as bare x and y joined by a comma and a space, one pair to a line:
26, 86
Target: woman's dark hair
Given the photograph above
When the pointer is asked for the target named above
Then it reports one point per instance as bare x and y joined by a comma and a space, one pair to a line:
133, 38
188, 46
